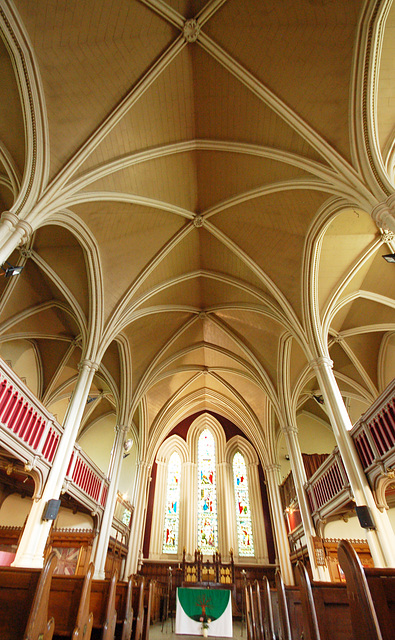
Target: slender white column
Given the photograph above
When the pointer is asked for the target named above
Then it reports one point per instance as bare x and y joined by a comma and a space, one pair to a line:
226, 510
32, 544
282, 544
108, 515
159, 507
190, 512
140, 505
258, 521
12, 230
382, 539
299, 477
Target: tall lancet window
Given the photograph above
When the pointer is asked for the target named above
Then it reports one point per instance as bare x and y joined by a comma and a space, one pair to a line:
243, 511
172, 512
207, 502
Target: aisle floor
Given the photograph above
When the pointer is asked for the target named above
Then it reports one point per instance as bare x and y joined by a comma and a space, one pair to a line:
156, 633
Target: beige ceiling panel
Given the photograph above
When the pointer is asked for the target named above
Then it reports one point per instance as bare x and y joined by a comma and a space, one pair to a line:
187, 8
222, 176
251, 394
149, 335
161, 392
386, 88
112, 362
344, 365
227, 110
62, 252
158, 179
6, 195
34, 288
378, 279
290, 48
50, 322
344, 243
130, 233
184, 258
205, 357
52, 352
259, 334
297, 364
186, 294
164, 114
363, 312
366, 348
254, 227
12, 130
89, 60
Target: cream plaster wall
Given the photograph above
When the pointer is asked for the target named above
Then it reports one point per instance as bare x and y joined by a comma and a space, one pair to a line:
59, 408
68, 520
14, 511
98, 441
21, 355
128, 474
341, 529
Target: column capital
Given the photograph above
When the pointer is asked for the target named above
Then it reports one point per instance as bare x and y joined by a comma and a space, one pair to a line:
88, 364
25, 227
11, 218
272, 468
291, 428
384, 214
321, 362
121, 428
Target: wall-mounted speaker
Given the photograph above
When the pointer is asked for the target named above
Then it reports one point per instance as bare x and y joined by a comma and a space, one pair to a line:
365, 517
51, 509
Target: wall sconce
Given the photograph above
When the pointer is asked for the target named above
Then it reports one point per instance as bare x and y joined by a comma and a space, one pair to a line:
390, 257
10, 270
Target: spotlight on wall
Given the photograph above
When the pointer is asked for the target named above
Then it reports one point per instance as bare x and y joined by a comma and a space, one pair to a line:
286, 456
318, 399
390, 257
127, 446
9, 270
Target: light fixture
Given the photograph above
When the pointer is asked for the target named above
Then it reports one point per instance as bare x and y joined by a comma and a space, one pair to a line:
390, 257
127, 445
318, 399
10, 270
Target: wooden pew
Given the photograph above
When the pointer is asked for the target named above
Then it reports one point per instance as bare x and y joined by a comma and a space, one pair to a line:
124, 606
268, 623
325, 609
69, 604
284, 631
102, 603
138, 605
371, 594
248, 612
24, 595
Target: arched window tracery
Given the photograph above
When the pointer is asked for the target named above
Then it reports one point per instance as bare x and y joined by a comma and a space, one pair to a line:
243, 511
207, 494
172, 509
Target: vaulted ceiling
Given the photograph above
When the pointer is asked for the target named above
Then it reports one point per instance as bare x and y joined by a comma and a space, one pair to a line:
199, 177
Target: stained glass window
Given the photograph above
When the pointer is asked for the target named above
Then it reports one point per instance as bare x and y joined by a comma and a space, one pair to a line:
172, 509
207, 502
243, 512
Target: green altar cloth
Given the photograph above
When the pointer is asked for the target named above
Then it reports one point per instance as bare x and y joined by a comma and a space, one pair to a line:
214, 604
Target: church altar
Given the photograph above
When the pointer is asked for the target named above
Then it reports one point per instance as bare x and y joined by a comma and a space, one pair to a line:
211, 604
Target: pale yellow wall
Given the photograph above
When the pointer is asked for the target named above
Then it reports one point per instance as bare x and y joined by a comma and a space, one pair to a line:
23, 361
128, 473
98, 441
68, 520
14, 511
58, 409
351, 529
314, 437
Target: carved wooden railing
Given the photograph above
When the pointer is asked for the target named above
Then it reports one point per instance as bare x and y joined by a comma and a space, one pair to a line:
374, 433
328, 489
32, 435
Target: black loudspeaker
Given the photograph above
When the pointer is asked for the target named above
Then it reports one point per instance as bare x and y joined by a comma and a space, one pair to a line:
51, 510
364, 517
